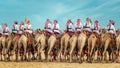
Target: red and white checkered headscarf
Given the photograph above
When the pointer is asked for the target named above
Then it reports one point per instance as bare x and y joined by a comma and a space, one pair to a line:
78, 23
47, 22
22, 23
68, 22
4, 26
55, 22
96, 24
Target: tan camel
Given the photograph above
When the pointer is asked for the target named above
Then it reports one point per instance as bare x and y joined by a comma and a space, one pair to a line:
73, 42
1, 48
92, 41
40, 44
64, 44
81, 43
118, 45
51, 44
106, 42
22, 42
10, 45
4, 41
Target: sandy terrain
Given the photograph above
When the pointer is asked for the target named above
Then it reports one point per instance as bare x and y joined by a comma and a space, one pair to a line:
57, 65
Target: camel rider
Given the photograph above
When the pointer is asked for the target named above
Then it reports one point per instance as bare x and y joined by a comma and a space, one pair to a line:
5, 30
87, 26
21, 28
28, 27
111, 28
96, 27
15, 28
70, 27
29, 31
78, 26
56, 29
48, 27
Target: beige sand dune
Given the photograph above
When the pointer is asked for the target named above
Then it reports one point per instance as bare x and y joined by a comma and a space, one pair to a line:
57, 65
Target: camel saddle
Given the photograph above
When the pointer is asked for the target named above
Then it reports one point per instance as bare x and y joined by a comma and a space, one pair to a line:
5, 36
78, 32
58, 35
48, 33
70, 33
17, 35
87, 33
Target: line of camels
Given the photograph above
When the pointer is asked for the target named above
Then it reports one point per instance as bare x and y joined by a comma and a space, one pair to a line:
74, 47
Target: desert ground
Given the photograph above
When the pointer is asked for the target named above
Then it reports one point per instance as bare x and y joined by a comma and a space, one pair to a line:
57, 65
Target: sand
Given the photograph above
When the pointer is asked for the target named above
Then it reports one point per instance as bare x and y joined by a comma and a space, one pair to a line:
57, 65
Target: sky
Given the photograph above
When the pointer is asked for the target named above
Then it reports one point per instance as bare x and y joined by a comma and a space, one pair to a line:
37, 11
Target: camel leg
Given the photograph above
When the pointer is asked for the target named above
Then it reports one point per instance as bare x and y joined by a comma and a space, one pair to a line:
38, 52
4, 49
50, 49
117, 51
8, 47
42, 51
81, 49
105, 49
89, 49
18, 53
61, 48
65, 49
71, 51
93, 46
25, 50
60, 51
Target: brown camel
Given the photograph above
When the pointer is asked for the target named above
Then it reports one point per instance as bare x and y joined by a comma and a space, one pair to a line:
107, 42
92, 40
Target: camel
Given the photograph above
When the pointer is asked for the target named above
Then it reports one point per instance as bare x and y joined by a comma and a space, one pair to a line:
22, 42
4, 41
54, 43
64, 44
108, 43
118, 45
81, 43
51, 44
73, 42
10, 46
92, 41
40, 44
1, 47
